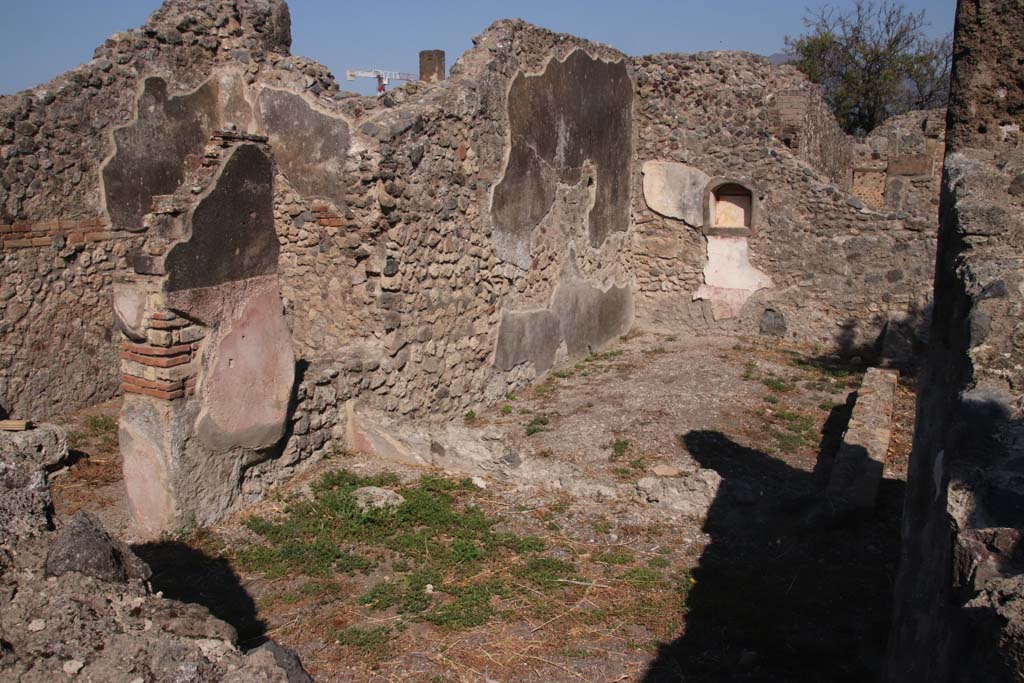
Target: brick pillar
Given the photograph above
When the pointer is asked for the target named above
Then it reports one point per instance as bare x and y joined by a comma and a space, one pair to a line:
432, 66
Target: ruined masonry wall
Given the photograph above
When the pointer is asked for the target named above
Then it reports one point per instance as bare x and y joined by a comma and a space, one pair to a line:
57, 339
959, 594
841, 273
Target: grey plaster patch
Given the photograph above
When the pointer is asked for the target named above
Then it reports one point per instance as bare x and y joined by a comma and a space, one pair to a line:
581, 315
527, 336
310, 147
576, 110
675, 190
591, 317
150, 152
232, 228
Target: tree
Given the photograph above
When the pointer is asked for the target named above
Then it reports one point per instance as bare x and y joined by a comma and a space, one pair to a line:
872, 62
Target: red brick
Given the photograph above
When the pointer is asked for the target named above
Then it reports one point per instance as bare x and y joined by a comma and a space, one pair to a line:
154, 393
17, 244
21, 227
167, 324
101, 236
160, 385
5, 228
156, 361
147, 350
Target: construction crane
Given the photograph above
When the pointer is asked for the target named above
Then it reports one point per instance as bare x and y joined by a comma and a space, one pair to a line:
383, 77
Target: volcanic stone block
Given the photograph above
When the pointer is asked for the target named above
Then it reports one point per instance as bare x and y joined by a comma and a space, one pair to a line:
232, 230
310, 147
911, 164
576, 111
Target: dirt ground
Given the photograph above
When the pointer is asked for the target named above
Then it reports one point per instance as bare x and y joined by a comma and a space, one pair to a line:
532, 584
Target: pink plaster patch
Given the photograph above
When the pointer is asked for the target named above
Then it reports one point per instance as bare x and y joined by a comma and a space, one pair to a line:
246, 389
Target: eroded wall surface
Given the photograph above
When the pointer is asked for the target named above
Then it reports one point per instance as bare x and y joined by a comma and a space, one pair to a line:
378, 235
959, 607
819, 265
59, 242
208, 384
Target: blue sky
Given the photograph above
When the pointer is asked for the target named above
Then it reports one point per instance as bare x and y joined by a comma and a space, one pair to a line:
40, 39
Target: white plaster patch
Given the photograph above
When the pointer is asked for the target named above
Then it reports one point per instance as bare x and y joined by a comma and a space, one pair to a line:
729, 277
675, 190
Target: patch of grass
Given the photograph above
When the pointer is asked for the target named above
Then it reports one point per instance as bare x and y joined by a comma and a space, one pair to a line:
537, 424
469, 416
777, 384
797, 423
102, 428
619, 448
471, 607
642, 577
75, 439
658, 562
748, 370
623, 472
771, 399
506, 409
545, 388
369, 640
545, 571
615, 557
827, 406
788, 442
601, 525
437, 541
826, 368
96, 425
510, 396
564, 373
605, 355
637, 464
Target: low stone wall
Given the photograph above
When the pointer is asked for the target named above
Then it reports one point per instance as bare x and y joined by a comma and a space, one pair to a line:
859, 463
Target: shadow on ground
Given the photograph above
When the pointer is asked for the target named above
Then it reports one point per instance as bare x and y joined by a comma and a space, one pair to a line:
190, 575
779, 595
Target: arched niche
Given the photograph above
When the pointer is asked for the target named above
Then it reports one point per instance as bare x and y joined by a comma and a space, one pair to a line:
731, 207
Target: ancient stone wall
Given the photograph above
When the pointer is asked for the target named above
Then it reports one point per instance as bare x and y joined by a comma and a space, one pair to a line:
815, 265
801, 119
59, 242
408, 274
435, 287
898, 166
959, 603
